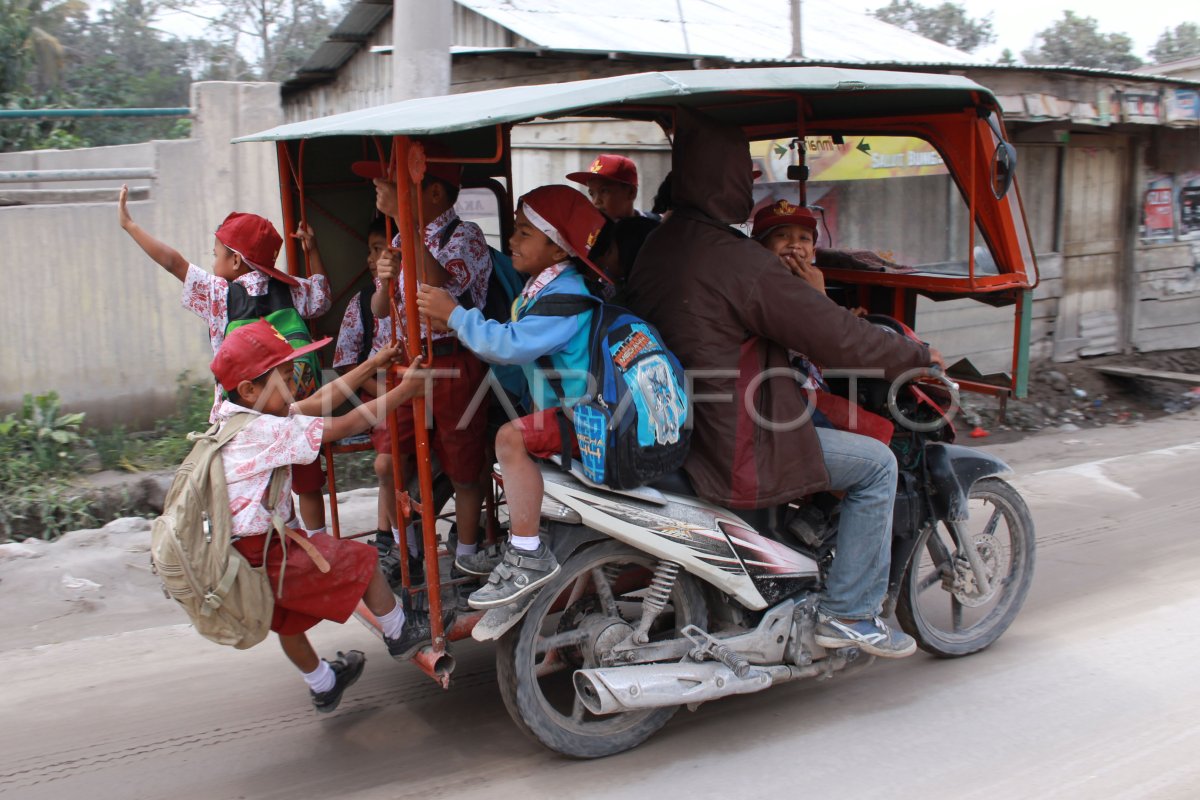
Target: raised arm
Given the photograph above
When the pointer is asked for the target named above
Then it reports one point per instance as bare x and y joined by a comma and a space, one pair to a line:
164, 255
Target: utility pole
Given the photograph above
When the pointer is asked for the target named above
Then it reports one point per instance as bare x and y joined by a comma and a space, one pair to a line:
421, 33
797, 44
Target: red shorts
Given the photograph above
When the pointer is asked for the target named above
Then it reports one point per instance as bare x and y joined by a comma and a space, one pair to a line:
310, 595
458, 442
541, 433
308, 478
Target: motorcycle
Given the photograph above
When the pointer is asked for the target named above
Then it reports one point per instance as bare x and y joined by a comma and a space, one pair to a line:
664, 600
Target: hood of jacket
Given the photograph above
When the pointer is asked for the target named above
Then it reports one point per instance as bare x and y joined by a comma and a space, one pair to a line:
711, 168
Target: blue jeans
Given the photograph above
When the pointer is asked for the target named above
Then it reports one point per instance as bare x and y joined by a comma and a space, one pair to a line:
865, 469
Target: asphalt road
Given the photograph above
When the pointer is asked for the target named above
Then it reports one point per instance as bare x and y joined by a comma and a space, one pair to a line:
1091, 694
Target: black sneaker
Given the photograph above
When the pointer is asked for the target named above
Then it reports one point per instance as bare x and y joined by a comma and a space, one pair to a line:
346, 669
462, 591
415, 635
483, 560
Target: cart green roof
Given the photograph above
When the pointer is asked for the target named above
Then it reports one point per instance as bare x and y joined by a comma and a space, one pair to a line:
830, 93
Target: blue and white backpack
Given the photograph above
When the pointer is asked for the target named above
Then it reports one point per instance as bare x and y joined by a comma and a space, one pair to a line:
635, 427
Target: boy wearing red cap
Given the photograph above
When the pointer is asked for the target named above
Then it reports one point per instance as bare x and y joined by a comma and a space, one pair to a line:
323, 577
454, 255
244, 286
553, 234
612, 183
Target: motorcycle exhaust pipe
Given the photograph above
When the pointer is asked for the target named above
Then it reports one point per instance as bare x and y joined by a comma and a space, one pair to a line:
612, 690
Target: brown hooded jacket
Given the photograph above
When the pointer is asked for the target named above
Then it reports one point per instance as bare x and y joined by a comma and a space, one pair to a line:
730, 311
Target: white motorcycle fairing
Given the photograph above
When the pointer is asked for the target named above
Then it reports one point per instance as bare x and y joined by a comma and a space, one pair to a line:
708, 541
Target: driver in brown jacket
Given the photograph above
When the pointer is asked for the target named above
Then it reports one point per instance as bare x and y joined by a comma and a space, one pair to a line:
730, 311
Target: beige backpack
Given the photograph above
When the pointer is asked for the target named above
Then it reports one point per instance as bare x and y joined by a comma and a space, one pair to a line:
228, 601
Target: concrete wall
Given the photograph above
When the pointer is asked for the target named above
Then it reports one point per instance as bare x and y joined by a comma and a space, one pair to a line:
86, 313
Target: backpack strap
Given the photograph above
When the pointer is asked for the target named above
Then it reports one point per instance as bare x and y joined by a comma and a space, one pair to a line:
368, 324
274, 489
563, 305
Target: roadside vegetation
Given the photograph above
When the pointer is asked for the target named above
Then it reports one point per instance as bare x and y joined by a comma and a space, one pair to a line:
48, 454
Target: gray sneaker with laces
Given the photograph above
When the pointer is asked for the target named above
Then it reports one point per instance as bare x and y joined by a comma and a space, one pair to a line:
518, 573
871, 636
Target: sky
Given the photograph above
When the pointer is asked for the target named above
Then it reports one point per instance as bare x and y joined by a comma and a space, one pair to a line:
1016, 22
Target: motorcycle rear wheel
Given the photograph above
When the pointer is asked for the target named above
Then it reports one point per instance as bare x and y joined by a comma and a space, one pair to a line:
546, 708
940, 605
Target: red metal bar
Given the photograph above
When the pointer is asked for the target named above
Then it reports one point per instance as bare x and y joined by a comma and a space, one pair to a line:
401, 147
331, 482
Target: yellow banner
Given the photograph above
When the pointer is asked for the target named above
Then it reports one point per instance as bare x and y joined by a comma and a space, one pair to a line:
856, 158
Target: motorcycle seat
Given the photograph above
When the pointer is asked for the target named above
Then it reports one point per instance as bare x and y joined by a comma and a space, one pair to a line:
676, 482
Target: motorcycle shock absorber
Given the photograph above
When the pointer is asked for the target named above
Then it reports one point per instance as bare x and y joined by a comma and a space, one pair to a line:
657, 596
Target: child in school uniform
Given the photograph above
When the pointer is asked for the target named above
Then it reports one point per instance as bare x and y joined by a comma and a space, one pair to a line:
554, 231
452, 253
362, 335
243, 286
254, 367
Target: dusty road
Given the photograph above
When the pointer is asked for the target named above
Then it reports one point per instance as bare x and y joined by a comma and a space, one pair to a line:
1093, 693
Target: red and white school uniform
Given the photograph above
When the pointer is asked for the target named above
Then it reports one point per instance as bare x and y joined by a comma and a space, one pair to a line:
458, 439
250, 459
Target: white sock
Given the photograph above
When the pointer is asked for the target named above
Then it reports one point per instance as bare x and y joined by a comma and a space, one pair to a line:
414, 537
462, 549
525, 542
392, 622
315, 531
320, 679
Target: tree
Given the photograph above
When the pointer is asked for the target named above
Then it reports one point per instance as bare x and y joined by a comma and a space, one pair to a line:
120, 60
1175, 45
947, 23
1077, 41
31, 65
281, 33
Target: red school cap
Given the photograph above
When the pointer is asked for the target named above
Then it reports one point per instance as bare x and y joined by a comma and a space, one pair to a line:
567, 217
450, 173
254, 239
252, 350
611, 166
783, 212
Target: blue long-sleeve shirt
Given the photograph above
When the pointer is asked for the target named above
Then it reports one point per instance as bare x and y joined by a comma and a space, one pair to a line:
527, 338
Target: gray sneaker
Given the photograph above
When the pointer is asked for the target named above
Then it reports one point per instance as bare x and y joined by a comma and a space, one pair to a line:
483, 560
518, 573
869, 635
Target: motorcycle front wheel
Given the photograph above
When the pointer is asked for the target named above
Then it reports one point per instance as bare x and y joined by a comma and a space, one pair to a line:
941, 604
593, 602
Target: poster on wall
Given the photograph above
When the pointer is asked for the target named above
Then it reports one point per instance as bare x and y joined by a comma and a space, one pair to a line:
1158, 209
1187, 203
1183, 105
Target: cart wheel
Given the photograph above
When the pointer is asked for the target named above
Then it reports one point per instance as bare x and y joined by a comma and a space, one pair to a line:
571, 625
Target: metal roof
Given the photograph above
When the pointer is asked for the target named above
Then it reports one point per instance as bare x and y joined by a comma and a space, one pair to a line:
722, 29
733, 29
830, 92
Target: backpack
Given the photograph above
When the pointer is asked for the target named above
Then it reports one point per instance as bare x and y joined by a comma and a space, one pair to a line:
228, 601
277, 308
635, 428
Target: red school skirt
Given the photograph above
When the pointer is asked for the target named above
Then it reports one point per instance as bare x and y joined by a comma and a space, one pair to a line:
310, 595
